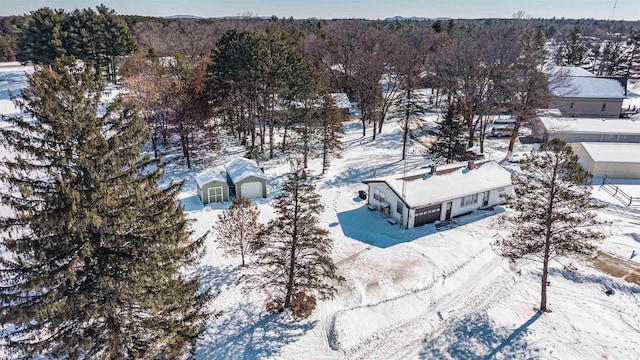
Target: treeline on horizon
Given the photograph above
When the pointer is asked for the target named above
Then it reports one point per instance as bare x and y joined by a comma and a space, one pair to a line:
170, 35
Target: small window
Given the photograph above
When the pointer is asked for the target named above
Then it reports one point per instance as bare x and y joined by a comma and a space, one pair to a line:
604, 106
400, 207
468, 200
572, 105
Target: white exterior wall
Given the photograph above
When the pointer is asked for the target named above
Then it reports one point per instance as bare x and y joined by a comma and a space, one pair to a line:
391, 198
495, 198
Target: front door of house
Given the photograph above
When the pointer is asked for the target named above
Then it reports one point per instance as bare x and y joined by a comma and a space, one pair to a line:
485, 199
448, 213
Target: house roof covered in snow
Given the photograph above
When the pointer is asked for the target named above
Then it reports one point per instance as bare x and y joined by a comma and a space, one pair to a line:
555, 124
613, 152
450, 182
341, 100
208, 176
587, 87
241, 168
554, 70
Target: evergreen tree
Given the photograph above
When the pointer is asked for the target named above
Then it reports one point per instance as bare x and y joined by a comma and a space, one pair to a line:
553, 210
41, 39
294, 261
574, 48
93, 255
449, 145
237, 229
118, 40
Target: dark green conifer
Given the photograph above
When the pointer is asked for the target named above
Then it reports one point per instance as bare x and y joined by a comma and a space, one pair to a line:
94, 254
553, 211
449, 144
294, 260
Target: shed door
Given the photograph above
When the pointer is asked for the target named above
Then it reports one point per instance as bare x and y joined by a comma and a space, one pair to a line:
215, 194
251, 190
426, 215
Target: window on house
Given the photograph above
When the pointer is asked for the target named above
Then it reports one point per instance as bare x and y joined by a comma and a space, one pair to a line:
604, 106
468, 200
571, 106
378, 195
399, 207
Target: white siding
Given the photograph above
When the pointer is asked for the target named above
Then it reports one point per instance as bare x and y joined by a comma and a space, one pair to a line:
390, 197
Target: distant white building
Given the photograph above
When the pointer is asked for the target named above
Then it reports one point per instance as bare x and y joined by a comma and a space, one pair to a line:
551, 124
438, 194
620, 161
577, 92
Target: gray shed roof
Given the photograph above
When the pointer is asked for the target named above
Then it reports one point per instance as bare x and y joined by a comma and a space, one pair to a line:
241, 168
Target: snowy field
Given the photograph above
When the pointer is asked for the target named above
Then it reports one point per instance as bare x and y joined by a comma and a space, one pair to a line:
423, 293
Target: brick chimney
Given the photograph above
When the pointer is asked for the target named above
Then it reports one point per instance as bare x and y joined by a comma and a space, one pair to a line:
471, 165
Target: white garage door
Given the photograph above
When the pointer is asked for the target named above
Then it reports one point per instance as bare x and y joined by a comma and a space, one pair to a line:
251, 190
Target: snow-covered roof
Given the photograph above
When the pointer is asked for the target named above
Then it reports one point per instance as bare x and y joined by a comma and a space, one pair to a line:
587, 87
613, 152
341, 100
569, 125
567, 71
241, 168
450, 182
208, 176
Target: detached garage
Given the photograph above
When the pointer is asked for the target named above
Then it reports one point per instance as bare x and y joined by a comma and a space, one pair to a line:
212, 186
614, 160
246, 179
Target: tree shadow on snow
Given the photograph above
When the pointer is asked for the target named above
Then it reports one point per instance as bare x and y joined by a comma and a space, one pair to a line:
478, 337
248, 334
217, 278
604, 281
369, 227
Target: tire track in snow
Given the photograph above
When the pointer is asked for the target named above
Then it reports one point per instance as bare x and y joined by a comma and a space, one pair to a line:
474, 294
470, 297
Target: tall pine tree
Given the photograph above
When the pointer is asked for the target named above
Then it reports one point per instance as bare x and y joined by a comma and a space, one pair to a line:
553, 214
294, 261
450, 140
93, 257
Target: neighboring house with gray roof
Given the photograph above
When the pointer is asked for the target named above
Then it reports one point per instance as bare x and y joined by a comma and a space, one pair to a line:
577, 92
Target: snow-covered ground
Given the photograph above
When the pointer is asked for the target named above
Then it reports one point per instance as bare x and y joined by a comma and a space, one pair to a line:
420, 293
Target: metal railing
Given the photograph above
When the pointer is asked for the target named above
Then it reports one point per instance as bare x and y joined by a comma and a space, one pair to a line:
617, 193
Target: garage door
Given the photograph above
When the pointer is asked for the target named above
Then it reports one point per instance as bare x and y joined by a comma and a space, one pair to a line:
427, 215
251, 190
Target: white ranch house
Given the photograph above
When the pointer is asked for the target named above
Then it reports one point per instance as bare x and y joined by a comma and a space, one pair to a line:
438, 194
246, 179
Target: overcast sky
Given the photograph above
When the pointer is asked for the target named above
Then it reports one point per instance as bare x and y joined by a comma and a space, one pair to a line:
371, 9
